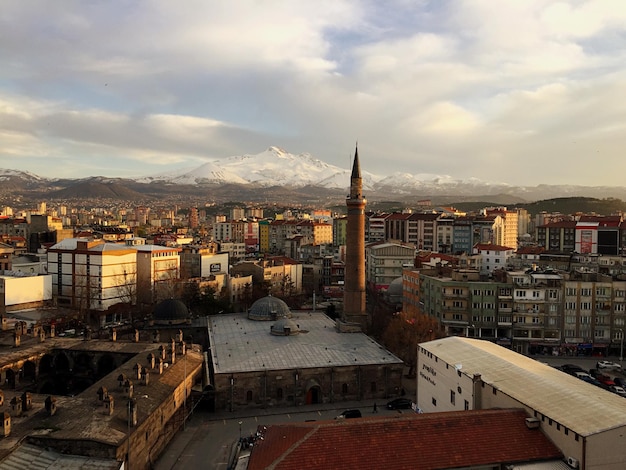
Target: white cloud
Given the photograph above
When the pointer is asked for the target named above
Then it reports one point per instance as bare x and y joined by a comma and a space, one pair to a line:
466, 88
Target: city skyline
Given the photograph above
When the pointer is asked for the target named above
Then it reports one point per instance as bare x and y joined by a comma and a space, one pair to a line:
519, 93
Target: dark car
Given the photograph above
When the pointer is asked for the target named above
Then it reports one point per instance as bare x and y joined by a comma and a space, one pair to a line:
349, 414
400, 404
571, 368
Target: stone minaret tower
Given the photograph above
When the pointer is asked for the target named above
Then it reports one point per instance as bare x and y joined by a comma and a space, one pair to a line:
354, 283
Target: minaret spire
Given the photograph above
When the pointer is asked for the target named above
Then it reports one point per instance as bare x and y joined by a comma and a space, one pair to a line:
354, 309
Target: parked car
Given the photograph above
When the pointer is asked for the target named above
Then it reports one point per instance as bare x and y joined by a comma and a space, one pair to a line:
605, 381
620, 381
587, 378
347, 414
571, 368
400, 404
618, 390
608, 365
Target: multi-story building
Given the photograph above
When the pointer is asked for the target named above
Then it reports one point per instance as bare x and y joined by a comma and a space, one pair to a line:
339, 230
557, 236
315, 233
493, 256
384, 262
505, 234
283, 275
445, 235
375, 226
158, 272
418, 229
92, 274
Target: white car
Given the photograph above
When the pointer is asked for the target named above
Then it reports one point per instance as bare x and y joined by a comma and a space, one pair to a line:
618, 390
608, 365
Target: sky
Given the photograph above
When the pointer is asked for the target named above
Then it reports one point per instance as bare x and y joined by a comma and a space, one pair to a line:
512, 91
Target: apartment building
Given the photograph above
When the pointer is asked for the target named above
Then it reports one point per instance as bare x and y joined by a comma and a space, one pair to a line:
158, 272
92, 274
493, 256
505, 234
384, 262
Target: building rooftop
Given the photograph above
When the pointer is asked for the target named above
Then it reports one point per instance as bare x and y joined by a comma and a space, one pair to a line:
242, 345
426, 441
579, 406
82, 418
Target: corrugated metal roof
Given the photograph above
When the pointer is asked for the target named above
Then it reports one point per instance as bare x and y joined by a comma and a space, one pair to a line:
577, 405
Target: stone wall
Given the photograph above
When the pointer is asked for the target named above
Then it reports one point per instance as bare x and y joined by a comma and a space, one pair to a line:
296, 387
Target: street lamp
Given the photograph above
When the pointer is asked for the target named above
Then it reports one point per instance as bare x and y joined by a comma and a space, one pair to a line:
239, 431
621, 347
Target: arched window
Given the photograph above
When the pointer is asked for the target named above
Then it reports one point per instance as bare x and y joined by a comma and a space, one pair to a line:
344, 388
249, 395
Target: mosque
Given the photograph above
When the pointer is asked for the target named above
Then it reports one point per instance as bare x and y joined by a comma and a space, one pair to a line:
273, 357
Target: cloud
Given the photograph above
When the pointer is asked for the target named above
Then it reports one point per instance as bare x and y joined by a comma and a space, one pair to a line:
464, 88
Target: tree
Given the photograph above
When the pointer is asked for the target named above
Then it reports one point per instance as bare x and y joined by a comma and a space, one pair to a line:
405, 332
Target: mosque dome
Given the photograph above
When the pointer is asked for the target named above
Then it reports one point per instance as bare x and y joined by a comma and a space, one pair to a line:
268, 308
394, 291
171, 312
285, 327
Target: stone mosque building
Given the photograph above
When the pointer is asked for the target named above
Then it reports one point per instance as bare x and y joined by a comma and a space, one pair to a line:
273, 357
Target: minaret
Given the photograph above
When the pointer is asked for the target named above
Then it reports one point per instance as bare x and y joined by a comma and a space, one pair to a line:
354, 278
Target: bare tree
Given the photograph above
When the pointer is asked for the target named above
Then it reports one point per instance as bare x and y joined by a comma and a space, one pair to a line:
405, 332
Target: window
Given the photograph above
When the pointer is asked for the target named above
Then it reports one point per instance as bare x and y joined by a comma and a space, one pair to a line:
571, 291
452, 397
249, 395
434, 401
585, 292
344, 388
466, 405
279, 393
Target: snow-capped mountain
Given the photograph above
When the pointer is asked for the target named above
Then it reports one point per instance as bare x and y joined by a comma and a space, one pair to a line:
302, 173
273, 167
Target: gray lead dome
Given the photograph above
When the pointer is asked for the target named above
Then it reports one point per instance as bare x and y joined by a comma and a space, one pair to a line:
268, 308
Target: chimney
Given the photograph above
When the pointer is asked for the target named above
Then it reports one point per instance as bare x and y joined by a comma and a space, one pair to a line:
128, 388
132, 412
27, 401
6, 424
51, 405
109, 403
16, 406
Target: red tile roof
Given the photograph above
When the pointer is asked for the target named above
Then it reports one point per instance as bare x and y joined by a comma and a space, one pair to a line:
408, 441
491, 247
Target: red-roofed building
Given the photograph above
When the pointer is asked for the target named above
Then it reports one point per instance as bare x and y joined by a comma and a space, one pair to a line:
448, 440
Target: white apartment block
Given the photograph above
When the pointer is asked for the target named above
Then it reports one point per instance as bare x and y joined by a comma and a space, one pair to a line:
91, 274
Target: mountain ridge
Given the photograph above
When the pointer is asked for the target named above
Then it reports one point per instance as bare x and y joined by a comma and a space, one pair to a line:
276, 172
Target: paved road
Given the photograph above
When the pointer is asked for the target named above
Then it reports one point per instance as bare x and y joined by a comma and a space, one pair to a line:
208, 438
